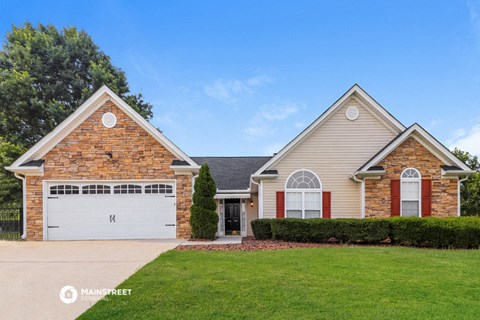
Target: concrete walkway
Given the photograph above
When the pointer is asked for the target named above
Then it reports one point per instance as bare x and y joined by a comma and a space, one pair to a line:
33, 273
219, 240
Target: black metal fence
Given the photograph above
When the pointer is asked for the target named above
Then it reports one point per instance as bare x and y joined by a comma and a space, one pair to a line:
11, 223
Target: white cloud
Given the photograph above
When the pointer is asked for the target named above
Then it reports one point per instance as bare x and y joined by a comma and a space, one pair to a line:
259, 131
466, 140
228, 90
263, 123
279, 112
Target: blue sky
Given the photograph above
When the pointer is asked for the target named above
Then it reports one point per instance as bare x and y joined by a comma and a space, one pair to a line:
245, 77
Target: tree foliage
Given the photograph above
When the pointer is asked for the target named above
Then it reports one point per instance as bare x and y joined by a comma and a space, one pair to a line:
203, 218
10, 187
470, 189
46, 73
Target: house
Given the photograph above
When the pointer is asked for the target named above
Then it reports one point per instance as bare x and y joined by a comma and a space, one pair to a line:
106, 173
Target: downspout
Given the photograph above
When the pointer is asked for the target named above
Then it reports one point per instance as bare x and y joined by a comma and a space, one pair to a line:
459, 196
362, 199
260, 197
24, 204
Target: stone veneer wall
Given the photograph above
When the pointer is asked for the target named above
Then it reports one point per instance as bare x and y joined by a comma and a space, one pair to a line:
82, 155
411, 154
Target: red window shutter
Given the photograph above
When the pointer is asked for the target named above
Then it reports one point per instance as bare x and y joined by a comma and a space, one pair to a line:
327, 205
426, 198
280, 204
395, 197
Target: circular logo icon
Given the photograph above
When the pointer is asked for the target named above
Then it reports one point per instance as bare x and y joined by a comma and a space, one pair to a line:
68, 294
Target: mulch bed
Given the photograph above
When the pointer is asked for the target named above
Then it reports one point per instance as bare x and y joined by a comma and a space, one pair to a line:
255, 245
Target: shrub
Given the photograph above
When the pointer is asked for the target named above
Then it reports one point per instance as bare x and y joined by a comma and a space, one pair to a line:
324, 230
203, 218
406, 231
451, 232
262, 229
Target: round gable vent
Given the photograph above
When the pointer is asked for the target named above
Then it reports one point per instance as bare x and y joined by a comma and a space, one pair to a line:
352, 113
109, 120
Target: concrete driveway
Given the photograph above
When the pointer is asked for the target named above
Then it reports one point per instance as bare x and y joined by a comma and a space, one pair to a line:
33, 273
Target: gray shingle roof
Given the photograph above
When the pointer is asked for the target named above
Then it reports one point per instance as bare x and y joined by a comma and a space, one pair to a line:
232, 173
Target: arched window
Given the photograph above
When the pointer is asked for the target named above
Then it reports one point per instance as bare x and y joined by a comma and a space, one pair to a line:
410, 192
303, 195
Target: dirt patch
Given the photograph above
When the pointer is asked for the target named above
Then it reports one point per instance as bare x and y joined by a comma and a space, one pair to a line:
255, 245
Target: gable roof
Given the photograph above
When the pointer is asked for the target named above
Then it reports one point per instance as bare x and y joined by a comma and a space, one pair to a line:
80, 115
427, 140
355, 90
232, 173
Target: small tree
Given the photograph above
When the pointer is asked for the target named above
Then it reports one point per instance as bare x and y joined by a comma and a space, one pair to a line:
470, 189
203, 217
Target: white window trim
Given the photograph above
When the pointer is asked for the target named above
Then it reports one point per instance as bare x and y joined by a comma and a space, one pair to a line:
419, 180
303, 191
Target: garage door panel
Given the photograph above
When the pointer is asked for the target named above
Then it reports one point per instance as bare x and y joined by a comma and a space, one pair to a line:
112, 216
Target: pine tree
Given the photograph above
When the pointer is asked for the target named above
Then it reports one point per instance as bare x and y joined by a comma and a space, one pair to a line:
203, 218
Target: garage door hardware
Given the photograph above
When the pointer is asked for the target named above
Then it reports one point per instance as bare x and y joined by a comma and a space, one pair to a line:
53, 227
112, 218
169, 196
170, 225
52, 197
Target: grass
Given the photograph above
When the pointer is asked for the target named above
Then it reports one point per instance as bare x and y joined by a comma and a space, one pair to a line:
328, 283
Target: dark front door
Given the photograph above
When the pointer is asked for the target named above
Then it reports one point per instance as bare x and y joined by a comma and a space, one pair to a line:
232, 217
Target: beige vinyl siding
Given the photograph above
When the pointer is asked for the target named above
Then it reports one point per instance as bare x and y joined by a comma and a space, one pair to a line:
334, 151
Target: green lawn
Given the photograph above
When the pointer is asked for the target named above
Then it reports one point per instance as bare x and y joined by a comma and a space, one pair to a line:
330, 283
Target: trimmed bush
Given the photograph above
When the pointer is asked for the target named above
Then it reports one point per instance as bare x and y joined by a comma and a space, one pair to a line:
454, 232
203, 217
325, 230
262, 229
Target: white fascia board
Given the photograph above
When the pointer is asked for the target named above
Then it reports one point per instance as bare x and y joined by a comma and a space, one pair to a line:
194, 169
234, 191
232, 196
68, 125
265, 176
424, 134
456, 173
355, 89
26, 170
368, 173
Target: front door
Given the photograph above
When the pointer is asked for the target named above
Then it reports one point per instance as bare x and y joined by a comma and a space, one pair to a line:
232, 218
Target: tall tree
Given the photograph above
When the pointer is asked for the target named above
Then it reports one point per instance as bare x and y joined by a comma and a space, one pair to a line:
203, 218
46, 73
470, 189
10, 187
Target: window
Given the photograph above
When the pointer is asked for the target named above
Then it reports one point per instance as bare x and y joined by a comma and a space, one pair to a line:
64, 189
127, 189
303, 195
410, 192
96, 189
158, 188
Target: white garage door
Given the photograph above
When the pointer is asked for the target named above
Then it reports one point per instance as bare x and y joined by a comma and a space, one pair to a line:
126, 210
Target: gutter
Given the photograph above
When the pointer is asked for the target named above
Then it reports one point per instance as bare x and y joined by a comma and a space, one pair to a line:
260, 197
24, 204
459, 211
362, 199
